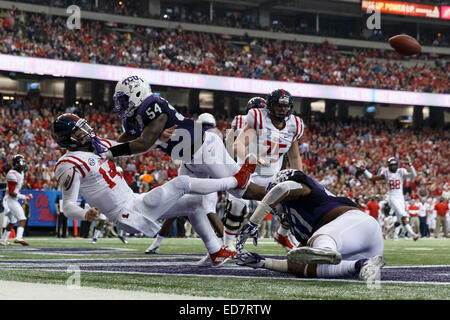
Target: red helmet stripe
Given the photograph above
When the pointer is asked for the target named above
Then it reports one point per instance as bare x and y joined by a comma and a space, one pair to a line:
256, 118
72, 116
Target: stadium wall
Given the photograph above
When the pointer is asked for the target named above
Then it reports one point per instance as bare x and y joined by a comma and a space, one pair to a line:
59, 68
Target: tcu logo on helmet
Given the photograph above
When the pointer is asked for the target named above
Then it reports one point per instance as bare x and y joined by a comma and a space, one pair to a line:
130, 79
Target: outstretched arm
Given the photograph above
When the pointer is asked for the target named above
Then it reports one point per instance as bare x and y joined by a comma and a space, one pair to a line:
142, 144
69, 182
413, 172
294, 156
287, 190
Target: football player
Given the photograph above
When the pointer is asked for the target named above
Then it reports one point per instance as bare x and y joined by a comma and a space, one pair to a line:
338, 239
192, 203
393, 175
144, 118
273, 131
14, 210
82, 171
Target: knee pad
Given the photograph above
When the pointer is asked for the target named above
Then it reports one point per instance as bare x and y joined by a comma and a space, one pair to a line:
234, 214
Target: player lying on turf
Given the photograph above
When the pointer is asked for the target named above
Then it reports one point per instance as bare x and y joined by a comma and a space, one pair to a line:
339, 240
82, 170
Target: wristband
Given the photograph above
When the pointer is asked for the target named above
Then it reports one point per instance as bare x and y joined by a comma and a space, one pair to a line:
122, 149
368, 174
21, 196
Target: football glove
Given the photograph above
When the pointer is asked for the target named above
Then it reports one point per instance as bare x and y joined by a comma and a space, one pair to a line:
250, 259
250, 229
29, 196
99, 148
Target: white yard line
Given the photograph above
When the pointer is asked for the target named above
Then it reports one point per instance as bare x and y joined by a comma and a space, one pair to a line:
13, 290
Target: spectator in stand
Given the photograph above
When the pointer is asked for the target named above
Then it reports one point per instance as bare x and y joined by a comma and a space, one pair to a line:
178, 50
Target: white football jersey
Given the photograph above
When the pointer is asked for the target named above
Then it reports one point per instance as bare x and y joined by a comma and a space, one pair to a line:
16, 177
272, 143
394, 181
102, 185
239, 122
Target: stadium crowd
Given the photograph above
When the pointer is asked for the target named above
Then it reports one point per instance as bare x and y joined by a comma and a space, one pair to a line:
227, 17
178, 50
330, 150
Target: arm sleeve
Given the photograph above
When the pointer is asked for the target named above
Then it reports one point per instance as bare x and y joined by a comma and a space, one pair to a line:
70, 196
272, 198
411, 174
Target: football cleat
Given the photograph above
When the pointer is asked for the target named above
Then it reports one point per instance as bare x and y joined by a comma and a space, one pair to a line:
152, 251
6, 243
243, 175
416, 237
371, 268
94, 241
250, 259
22, 242
123, 239
284, 241
205, 261
223, 255
310, 255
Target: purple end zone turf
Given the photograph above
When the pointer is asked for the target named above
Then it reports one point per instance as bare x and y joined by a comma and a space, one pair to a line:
185, 264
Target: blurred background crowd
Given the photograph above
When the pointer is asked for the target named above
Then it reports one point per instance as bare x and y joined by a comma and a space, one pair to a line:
39, 35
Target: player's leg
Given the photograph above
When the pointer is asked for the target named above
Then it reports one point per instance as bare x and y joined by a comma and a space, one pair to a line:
366, 269
209, 202
17, 211
98, 228
234, 214
164, 232
350, 238
10, 220
283, 234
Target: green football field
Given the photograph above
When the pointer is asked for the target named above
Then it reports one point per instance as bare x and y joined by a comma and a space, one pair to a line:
414, 270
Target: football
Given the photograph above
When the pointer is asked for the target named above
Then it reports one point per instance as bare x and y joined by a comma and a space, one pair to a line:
405, 45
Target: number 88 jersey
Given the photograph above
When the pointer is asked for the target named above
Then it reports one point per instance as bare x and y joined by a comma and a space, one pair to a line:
102, 184
394, 181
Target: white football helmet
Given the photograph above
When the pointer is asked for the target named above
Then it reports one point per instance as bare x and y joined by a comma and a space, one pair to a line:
207, 119
129, 94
